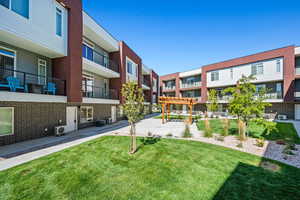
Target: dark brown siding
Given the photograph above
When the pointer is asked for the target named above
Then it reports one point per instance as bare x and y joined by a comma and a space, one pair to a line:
283, 109
31, 119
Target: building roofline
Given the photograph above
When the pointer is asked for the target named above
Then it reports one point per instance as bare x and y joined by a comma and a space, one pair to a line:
247, 55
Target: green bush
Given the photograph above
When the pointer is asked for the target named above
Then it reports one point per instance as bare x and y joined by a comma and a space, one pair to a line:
207, 130
187, 132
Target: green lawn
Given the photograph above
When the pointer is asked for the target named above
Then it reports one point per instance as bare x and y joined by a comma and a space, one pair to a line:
284, 130
169, 169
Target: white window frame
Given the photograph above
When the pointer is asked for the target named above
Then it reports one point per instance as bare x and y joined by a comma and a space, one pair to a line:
39, 71
215, 76
15, 57
256, 65
10, 8
87, 119
58, 7
13, 120
134, 67
278, 65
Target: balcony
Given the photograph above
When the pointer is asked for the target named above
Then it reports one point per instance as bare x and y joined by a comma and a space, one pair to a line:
269, 97
190, 85
23, 82
97, 63
173, 87
146, 84
90, 91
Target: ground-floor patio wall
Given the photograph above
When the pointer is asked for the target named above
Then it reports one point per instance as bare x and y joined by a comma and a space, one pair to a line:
100, 112
287, 109
34, 120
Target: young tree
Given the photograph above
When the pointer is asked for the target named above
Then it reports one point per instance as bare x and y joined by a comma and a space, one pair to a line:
133, 109
212, 104
247, 104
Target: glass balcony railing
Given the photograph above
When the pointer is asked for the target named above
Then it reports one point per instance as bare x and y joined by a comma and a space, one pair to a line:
99, 58
91, 91
190, 85
169, 87
268, 96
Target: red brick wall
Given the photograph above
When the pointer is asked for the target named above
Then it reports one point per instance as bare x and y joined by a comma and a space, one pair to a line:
69, 68
126, 51
288, 53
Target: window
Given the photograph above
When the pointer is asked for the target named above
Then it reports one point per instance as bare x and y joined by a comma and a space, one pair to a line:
6, 121
86, 114
58, 22
7, 63
260, 87
131, 68
231, 73
215, 76
4, 3
42, 71
20, 7
87, 85
257, 69
278, 87
88, 52
278, 65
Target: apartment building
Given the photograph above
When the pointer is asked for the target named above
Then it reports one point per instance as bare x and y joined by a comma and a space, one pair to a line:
59, 67
276, 70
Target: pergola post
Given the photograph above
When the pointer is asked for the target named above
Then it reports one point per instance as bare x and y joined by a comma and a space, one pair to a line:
169, 105
191, 114
163, 113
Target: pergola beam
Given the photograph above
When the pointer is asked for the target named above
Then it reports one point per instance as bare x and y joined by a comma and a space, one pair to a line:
167, 101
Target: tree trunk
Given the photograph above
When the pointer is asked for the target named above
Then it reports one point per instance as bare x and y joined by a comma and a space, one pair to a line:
132, 148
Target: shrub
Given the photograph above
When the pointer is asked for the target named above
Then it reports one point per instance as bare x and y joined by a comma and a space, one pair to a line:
226, 125
239, 145
169, 135
260, 142
207, 130
187, 132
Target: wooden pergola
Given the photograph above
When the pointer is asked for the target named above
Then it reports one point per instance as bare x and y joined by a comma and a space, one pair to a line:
167, 101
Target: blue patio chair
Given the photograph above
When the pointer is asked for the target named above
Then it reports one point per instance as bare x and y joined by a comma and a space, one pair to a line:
14, 84
50, 88
3, 85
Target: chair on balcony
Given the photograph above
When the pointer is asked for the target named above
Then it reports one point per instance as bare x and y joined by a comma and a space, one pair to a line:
14, 84
3, 85
50, 88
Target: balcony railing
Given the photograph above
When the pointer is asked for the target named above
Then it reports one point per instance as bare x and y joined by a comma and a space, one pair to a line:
169, 87
268, 96
190, 85
146, 82
101, 59
19, 81
99, 92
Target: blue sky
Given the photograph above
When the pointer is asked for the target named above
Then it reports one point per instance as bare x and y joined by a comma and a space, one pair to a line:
172, 36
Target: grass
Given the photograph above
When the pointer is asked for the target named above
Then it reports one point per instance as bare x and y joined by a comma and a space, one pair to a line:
284, 130
168, 169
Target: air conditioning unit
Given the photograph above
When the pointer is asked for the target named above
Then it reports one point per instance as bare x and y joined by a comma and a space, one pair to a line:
282, 117
59, 130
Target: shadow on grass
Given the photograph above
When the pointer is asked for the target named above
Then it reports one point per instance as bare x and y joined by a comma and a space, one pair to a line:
251, 182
